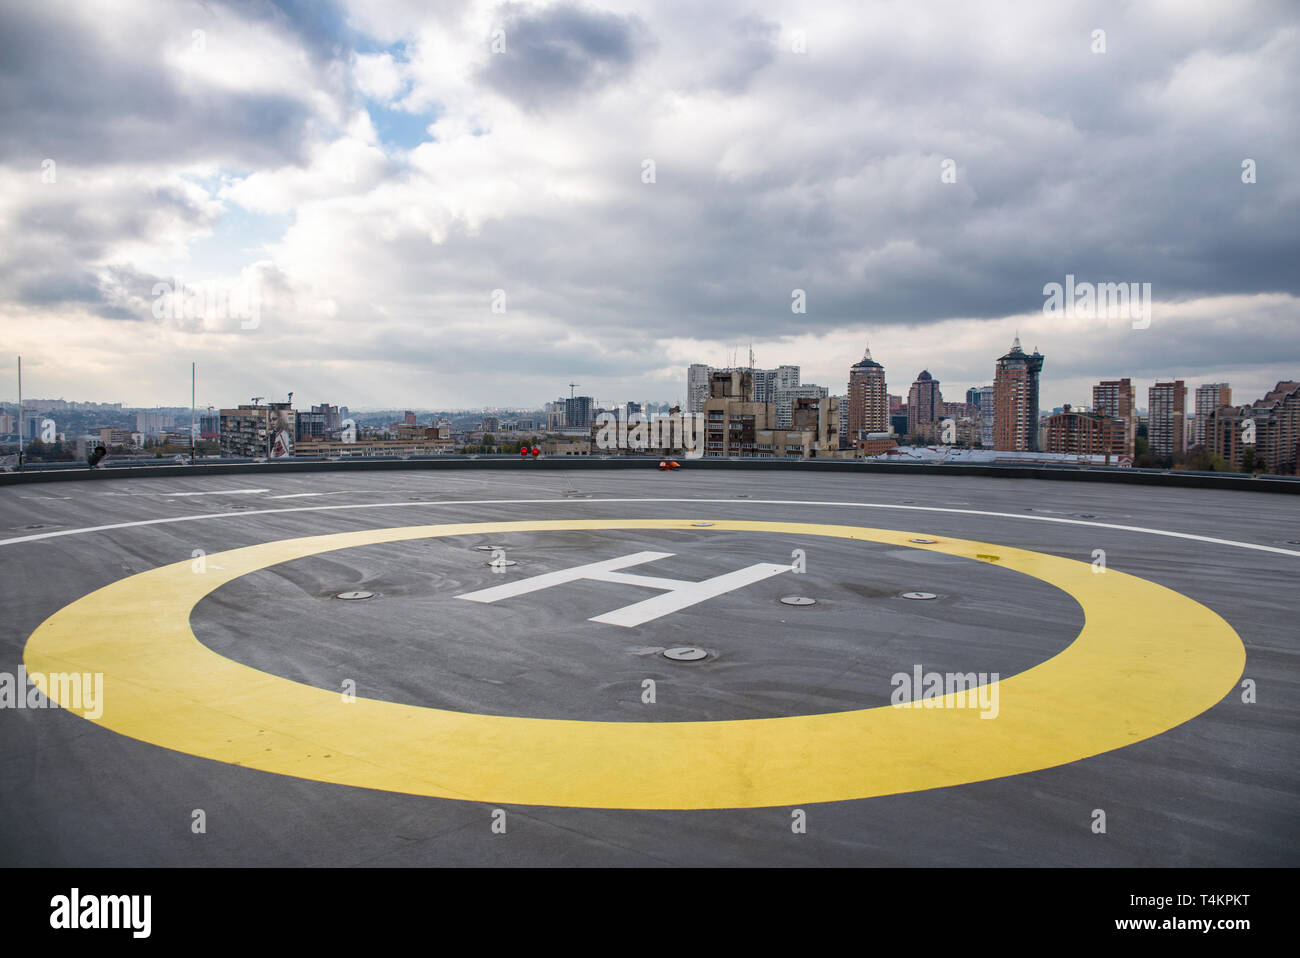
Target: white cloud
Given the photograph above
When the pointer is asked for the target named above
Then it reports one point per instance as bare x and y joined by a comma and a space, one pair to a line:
774, 170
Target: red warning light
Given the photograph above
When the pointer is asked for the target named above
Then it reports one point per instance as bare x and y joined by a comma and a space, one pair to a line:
663, 464
536, 451
523, 451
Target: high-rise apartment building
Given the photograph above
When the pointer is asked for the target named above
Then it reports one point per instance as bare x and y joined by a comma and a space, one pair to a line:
555, 414
1209, 397
924, 403
868, 398
578, 411
1015, 400
1115, 398
332, 417
981, 399
1167, 418
309, 427
697, 386
768, 382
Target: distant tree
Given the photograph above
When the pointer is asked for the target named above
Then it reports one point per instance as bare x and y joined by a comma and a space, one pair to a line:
38, 451
1142, 457
1249, 461
1195, 458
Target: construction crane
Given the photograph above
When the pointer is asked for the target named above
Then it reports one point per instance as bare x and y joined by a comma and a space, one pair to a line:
571, 385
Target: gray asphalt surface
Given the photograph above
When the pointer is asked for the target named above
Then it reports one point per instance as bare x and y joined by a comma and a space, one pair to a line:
1221, 790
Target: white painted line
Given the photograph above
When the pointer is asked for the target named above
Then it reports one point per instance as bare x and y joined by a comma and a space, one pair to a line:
589, 502
222, 492
548, 579
305, 495
645, 581
168, 492
687, 594
678, 594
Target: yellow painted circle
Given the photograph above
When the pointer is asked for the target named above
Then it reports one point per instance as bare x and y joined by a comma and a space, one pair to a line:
1147, 659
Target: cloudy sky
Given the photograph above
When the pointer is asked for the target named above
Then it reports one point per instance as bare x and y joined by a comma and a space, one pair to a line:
458, 204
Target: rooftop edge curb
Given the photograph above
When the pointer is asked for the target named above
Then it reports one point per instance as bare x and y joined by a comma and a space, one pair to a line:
1173, 478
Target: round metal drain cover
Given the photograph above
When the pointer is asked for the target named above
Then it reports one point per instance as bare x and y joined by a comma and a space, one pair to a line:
1087, 515
498, 563
742, 495
686, 654
359, 594
701, 523
798, 600
924, 542
488, 548
919, 595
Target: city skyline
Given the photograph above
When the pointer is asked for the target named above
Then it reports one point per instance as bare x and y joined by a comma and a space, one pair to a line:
836, 388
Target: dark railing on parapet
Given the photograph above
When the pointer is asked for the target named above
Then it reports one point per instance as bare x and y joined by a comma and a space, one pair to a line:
72, 471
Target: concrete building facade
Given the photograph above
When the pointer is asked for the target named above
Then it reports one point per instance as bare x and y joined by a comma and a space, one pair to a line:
783, 399
735, 425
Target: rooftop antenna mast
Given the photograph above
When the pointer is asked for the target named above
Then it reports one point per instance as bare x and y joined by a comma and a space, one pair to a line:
571, 385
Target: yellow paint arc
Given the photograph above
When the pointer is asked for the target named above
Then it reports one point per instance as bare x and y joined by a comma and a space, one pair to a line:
1147, 660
